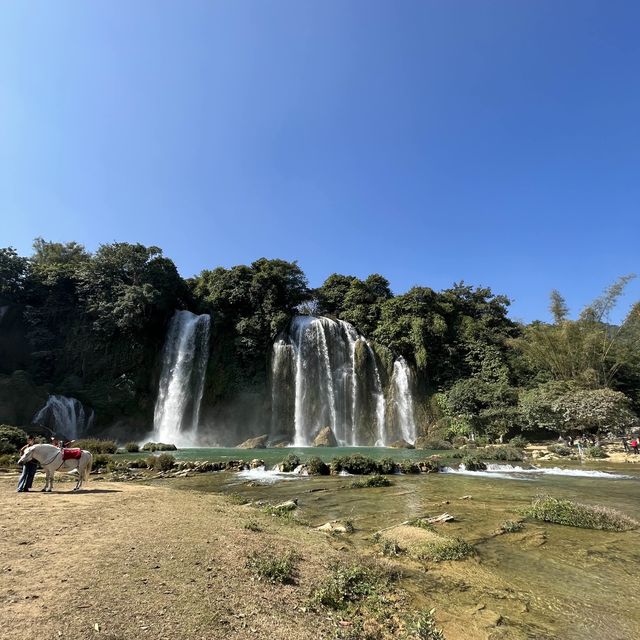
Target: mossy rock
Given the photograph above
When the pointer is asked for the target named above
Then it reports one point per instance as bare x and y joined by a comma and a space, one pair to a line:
426, 544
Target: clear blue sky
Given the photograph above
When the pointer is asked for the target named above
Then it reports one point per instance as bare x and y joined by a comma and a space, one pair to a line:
495, 141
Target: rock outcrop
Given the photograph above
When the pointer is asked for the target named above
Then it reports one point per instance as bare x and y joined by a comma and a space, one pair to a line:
259, 442
325, 438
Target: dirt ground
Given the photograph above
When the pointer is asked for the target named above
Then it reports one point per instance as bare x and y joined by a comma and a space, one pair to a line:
133, 561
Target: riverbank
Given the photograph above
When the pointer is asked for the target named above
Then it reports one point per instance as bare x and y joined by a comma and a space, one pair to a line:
168, 558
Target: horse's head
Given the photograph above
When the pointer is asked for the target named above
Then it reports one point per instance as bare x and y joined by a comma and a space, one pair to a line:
27, 455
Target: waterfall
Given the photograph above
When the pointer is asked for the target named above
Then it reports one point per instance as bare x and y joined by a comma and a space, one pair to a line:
184, 363
64, 416
324, 373
401, 393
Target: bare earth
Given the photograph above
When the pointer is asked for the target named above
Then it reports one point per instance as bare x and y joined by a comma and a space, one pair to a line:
132, 561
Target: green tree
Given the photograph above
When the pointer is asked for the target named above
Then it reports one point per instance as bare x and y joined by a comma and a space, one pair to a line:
13, 273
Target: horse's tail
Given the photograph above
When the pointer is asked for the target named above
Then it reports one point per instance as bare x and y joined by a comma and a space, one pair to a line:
87, 469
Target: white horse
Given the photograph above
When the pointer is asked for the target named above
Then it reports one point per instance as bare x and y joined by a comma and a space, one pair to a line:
51, 459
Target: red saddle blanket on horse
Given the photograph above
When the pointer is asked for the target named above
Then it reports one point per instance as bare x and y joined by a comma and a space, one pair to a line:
71, 454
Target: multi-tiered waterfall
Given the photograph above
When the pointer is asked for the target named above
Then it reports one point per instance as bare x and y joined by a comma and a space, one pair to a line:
64, 416
325, 374
184, 364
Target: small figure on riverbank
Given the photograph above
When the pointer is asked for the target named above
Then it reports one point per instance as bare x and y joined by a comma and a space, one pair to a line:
28, 469
634, 445
625, 444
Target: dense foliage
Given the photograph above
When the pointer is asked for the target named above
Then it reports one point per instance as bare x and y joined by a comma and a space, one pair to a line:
92, 325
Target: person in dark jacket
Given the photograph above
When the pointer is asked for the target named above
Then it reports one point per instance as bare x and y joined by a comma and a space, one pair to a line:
28, 470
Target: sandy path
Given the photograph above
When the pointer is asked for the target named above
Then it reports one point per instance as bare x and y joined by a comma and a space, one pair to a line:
147, 562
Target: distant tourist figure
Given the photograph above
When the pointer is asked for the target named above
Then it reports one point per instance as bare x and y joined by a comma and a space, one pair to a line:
625, 444
28, 469
634, 445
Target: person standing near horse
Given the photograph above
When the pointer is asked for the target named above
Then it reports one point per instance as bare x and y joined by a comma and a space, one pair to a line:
28, 469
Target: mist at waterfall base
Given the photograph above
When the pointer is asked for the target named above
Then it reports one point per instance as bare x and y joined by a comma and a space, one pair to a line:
323, 373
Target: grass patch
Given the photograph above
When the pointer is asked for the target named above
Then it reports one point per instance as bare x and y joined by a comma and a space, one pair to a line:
574, 514
96, 446
596, 452
373, 481
390, 547
274, 568
444, 548
346, 585
252, 525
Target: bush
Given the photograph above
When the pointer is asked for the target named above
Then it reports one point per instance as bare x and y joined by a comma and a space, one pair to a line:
8, 460
100, 460
273, 568
511, 526
430, 465
356, 464
390, 547
423, 627
316, 467
519, 442
11, 438
560, 449
95, 445
387, 466
252, 525
503, 453
408, 466
346, 585
596, 452
373, 481
164, 462
159, 446
132, 447
574, 514
289, 463
473, 463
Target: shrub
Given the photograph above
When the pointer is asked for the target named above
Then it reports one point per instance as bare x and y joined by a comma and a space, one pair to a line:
444, 548
504, 453
289, 463
11, 438
459, 441
560, 450
132, 447
316, 467
114, 465
94, 445
390, 547
273, 568
8, 460
346, 585
151, 462
373, 481
574, 514
423, 627
408, 466
596, 452
356, 464
430, 465
100, 460
387, 466
482, 441
511, 526
252, 525
164, 462
519, 442
473, 463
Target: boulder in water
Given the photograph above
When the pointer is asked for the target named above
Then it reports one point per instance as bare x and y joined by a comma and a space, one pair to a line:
401, 444
260, 442
325, 438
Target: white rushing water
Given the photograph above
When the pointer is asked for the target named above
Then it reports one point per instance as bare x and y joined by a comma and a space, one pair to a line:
510, 472
325, 374
401, 383
64, 416
184, 364
262, 475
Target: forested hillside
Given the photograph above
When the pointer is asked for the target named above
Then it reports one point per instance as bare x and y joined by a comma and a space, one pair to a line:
92, 326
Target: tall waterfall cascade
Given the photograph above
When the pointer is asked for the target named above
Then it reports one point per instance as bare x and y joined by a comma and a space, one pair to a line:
402, 400
184, 362
65, 416
325, 374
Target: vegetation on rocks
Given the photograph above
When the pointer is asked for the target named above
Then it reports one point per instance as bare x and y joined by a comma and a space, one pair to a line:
473, 463
97, 446
158, 446
575, 514
11, 439
316, 467
372, 481
273, 567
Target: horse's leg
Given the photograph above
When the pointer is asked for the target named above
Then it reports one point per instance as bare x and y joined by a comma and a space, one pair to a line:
50, 476
79, 480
